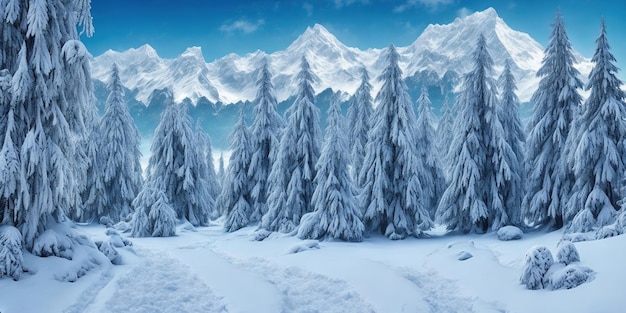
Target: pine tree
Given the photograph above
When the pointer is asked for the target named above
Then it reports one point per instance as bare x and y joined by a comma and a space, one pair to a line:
177, 167
293, 171
511, 180
265, 140
472, 203
359, 116
221, 171
335, 214
154, 215
444, 134
119, 171
392, 194
432, 179
49, 113
237, 192
598, 158
549, 180
214, 183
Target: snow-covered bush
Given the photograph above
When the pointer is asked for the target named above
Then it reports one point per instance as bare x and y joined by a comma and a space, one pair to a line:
576, 237
566, 253
507, 233
537, 262
583, 222
569, 277
51, 243
608, 231
109, 251
304, 246
11, 258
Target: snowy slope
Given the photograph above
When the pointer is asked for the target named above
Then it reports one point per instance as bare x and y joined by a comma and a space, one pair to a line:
440, 48
213, 271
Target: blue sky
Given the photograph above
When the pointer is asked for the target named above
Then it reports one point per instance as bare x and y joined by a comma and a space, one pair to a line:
243, 26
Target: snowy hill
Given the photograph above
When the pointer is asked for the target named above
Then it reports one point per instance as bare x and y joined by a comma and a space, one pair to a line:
440, 49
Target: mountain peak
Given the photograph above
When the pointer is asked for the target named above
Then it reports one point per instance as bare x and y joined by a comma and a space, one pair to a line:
317, 35
195, 52
148, 50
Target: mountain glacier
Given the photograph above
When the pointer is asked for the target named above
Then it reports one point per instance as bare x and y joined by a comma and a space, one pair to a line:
439, 51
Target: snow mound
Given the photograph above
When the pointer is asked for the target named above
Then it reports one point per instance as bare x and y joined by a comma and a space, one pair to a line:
464, 255
507, 233
304, 246
166, 286
570, 276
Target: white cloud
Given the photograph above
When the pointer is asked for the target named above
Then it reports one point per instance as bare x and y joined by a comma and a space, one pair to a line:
463, 12
431, 4
344, 3
242, 25
308, 8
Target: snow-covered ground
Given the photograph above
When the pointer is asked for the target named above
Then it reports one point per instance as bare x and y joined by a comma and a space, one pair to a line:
211, 271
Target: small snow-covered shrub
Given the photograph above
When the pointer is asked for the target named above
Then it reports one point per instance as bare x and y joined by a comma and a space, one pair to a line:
576, 237
537, 262
188, 227
567, 253
11, 257
507, 233
570, 276
607, 232
261, 235
583, 222
304, 246
51, 243
107, 221
110, 252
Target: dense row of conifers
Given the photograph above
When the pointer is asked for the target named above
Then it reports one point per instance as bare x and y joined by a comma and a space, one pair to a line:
383, 170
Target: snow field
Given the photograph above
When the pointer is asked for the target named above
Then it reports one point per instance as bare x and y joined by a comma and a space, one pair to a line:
213, 271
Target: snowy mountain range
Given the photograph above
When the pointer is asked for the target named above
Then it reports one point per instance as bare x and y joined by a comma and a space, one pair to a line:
441, 50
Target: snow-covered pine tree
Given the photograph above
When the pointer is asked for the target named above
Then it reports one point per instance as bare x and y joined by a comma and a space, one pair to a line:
237, 192
93, 194
293, 171
392, 194
472, 202
40, 50
177, 167
118, 167
444, 134
221, 171
549, 180
336, 214
76, 61
359, 116
265, 131
432, 179
154, 215
214, 183
599, 156
511, 175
